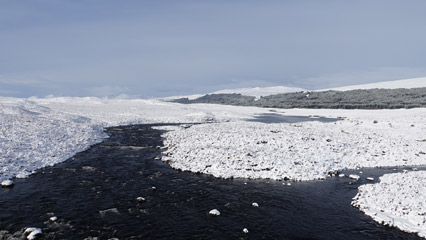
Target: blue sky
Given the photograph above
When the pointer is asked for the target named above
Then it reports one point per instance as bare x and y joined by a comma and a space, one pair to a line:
163, 48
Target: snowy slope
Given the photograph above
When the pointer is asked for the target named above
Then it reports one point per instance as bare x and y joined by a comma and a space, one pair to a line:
406, 83
261, 91
33, 136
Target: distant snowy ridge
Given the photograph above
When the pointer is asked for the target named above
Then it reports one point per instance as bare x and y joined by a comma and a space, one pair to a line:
254, 92
261, 91
190, 97
405, 83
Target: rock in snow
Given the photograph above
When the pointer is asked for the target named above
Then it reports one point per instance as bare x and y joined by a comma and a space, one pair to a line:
354, 176
7, 183
33, 233
214, 212
140, 199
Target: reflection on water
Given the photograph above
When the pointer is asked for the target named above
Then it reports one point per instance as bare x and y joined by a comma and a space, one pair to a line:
278, 118
94, 195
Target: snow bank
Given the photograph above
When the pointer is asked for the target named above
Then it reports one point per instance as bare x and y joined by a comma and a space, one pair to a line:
32, 137
398, 200
303, 151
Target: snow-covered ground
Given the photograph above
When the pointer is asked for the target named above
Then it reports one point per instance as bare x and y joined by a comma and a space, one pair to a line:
35, 133
398, 200
302, 151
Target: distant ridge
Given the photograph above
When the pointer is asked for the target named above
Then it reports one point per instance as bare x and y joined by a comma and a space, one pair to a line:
405, 83
260, 91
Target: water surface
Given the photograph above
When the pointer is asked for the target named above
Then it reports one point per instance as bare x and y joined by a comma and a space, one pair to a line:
279, 118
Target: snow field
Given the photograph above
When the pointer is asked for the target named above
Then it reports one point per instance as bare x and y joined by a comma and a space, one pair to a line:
398, 200
303, 151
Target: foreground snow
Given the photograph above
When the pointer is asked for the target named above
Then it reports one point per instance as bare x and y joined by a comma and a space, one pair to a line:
398, 200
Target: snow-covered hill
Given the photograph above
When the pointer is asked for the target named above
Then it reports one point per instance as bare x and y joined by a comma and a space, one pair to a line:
405, 83
261, 91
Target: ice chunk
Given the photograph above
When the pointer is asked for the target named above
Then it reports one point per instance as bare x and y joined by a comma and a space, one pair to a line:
33, 233
214, 212
140, 199
7, 183
354, 176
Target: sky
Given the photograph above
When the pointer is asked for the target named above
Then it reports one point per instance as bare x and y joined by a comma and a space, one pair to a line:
168, 48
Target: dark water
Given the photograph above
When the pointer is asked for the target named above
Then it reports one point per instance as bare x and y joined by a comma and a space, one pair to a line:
278, 118
94, 195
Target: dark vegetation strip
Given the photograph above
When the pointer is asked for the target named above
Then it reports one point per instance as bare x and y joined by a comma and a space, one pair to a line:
353, 99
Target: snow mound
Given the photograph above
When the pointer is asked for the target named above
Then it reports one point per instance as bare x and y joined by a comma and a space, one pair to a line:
398, 200
261, 91
406, 83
